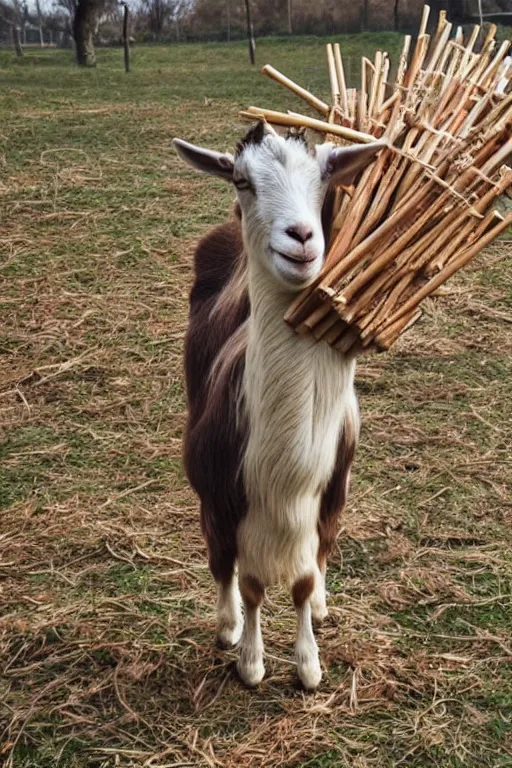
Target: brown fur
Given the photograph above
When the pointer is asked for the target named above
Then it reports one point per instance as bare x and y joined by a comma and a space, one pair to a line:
335, 495
302, 590
252, 591
213, 445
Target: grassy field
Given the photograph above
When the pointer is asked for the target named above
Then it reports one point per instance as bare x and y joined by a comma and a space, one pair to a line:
106, 605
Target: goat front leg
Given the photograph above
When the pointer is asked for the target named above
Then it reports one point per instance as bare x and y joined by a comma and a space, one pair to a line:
230, 621
319, 610
222, 560
306, 649
250, 663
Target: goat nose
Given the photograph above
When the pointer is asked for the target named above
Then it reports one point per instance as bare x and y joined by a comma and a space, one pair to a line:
302, 233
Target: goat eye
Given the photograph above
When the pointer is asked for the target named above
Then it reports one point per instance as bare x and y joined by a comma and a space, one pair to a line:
244, 184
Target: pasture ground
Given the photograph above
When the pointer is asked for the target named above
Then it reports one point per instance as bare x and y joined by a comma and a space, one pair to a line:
106, 605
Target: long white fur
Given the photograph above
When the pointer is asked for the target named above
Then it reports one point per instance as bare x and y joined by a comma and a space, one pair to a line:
297, 394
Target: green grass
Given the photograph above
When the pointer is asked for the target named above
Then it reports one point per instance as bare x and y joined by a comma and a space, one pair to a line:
106, 605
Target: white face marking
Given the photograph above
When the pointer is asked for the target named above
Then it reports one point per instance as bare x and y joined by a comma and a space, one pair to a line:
281, 208
281, 188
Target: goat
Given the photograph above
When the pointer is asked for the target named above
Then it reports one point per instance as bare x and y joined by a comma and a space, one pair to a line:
273, 418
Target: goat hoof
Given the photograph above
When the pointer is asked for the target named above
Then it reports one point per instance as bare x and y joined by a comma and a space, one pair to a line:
229, 636
319, 615
252, 672
310, 673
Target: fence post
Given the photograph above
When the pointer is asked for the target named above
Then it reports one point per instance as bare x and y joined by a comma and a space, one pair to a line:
250, 33
126, 38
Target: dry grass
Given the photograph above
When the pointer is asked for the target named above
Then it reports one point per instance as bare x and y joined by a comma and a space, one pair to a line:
106, 605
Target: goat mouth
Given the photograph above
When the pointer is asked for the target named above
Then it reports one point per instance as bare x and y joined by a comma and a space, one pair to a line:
295, 259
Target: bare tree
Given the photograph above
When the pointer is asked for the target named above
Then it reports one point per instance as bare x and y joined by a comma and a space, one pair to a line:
16, 40
69, 9
67, 5
157, 13
85, 25
40, 23
25, 19
13, 16
179, 15
163, 13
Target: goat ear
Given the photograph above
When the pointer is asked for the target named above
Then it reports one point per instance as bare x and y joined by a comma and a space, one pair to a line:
342, 164
205, 160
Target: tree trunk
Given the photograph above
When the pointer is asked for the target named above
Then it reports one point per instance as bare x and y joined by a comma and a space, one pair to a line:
250, 33
83, 29
16, 40
290, 27
40, 23
126, 39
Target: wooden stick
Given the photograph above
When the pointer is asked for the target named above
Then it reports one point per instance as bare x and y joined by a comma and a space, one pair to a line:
454, 62
461, 261
441, 23
326, 325
385, 258
389, 303
416, 65
493, 68
427, 246
293, 119
358, 208
352, 103
376, 82
338, 61
303, 304
347, 340
363, 98
402, 64
491, 34
465, 235
373, 240
389, 103
387, 338
469, 47
439, 48
367, 319
333, 77
424, 20
314, 318
318, 104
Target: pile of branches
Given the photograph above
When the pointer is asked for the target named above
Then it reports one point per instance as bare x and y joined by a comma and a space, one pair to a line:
425, 208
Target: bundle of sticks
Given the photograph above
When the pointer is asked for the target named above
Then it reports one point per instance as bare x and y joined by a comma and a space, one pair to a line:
426, 207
